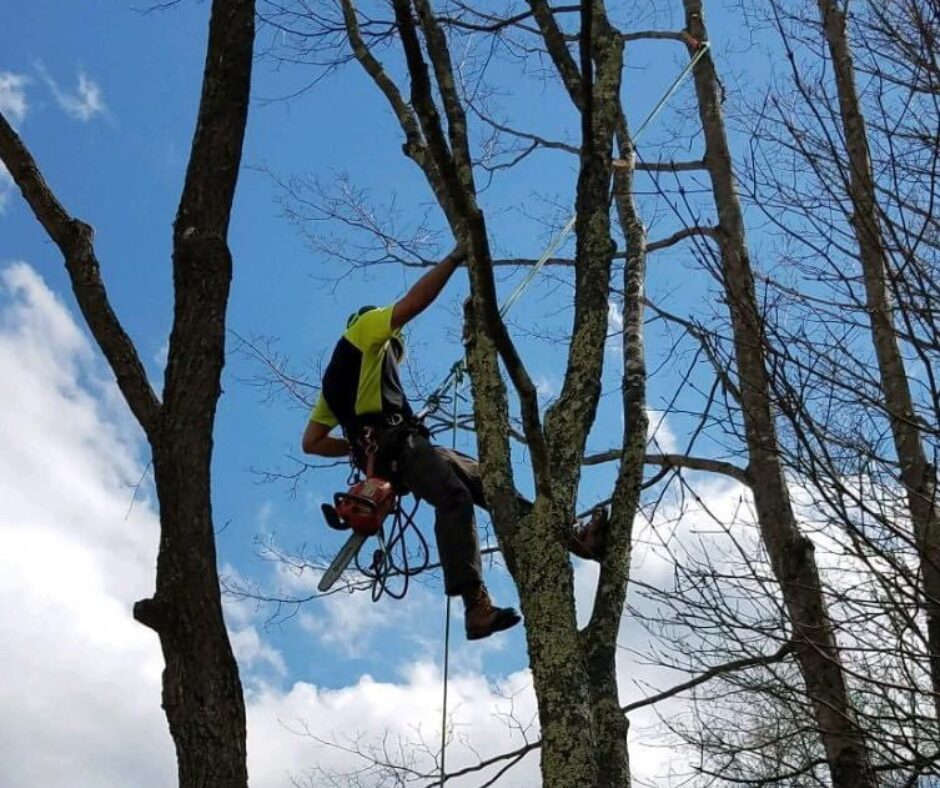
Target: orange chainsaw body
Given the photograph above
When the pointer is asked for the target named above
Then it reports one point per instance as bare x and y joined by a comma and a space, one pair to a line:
363, 507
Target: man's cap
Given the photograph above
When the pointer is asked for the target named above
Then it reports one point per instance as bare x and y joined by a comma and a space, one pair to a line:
359, 313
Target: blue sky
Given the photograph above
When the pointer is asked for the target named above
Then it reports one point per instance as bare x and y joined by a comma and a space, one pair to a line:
105, 97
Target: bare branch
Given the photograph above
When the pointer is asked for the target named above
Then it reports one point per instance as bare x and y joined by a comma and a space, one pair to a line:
667, 35
663, 166
681, 235
75, 240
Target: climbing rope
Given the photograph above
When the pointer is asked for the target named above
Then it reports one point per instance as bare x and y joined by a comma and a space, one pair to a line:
458, 379
458, 368
392, 558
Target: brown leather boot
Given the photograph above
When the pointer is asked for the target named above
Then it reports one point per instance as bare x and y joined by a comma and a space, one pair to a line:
589, 540
483, 618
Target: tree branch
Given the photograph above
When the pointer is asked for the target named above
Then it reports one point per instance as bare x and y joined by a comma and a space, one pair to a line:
681, 235
558, 50
676, 461
75, 240
202, 260
414, 147
663, 166
456, 166
669, 35
711, 673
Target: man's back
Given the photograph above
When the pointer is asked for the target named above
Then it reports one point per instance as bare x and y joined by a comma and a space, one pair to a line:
361, 383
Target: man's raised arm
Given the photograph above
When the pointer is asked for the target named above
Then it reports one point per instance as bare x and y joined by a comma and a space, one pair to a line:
426, 289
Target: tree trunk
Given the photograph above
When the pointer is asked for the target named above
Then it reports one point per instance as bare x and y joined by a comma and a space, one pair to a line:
791, 553
599, 638
917, 474
540, 567
545, 581
202, 693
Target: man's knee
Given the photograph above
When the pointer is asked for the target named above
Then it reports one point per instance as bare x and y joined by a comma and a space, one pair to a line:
457, 502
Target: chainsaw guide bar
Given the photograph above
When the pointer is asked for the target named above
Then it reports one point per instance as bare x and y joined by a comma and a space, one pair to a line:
343, 557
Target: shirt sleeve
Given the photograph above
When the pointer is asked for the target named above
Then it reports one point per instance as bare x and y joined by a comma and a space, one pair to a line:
372, 329
322, 414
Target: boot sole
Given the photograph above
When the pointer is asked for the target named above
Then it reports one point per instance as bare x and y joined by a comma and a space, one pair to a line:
504, 621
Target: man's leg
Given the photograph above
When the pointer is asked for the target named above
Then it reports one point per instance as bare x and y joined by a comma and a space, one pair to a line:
431, 477
587, 539
468, 471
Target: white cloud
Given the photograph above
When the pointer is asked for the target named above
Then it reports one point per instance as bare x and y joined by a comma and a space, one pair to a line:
659, 434
161, 355
74, 555
614, 317
84, 103
352, 624
614, 343
6, 183
13, 96
308, 730
546, 386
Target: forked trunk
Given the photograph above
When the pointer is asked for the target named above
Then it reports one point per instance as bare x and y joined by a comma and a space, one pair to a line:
791, 553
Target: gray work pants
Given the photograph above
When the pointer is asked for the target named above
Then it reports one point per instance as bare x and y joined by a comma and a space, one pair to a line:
450, 482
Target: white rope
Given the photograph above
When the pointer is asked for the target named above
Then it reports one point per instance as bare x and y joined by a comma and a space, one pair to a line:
453, 445
557, 241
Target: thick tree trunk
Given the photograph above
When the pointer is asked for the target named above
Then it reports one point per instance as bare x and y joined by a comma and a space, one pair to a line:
917, 474
202, 693
599, 638
790, 552
545, 581
539, 564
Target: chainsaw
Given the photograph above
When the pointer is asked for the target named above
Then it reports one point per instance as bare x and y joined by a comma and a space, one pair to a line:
361, 509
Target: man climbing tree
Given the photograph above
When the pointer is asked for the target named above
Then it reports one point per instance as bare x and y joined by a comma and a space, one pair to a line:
362, 393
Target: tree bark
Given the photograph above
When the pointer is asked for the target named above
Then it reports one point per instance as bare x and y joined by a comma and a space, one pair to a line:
535, 553
917, 474
599, 638
791, 553
202, 692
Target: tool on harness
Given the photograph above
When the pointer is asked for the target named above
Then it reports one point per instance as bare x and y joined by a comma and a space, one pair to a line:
366, 504
364, 509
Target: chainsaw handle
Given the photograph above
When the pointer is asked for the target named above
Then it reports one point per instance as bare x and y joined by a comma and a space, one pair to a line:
339, 497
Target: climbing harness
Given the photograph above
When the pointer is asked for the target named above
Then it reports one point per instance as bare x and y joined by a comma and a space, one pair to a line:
364, 509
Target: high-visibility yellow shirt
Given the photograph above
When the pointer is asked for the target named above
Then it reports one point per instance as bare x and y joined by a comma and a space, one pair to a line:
362, 377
